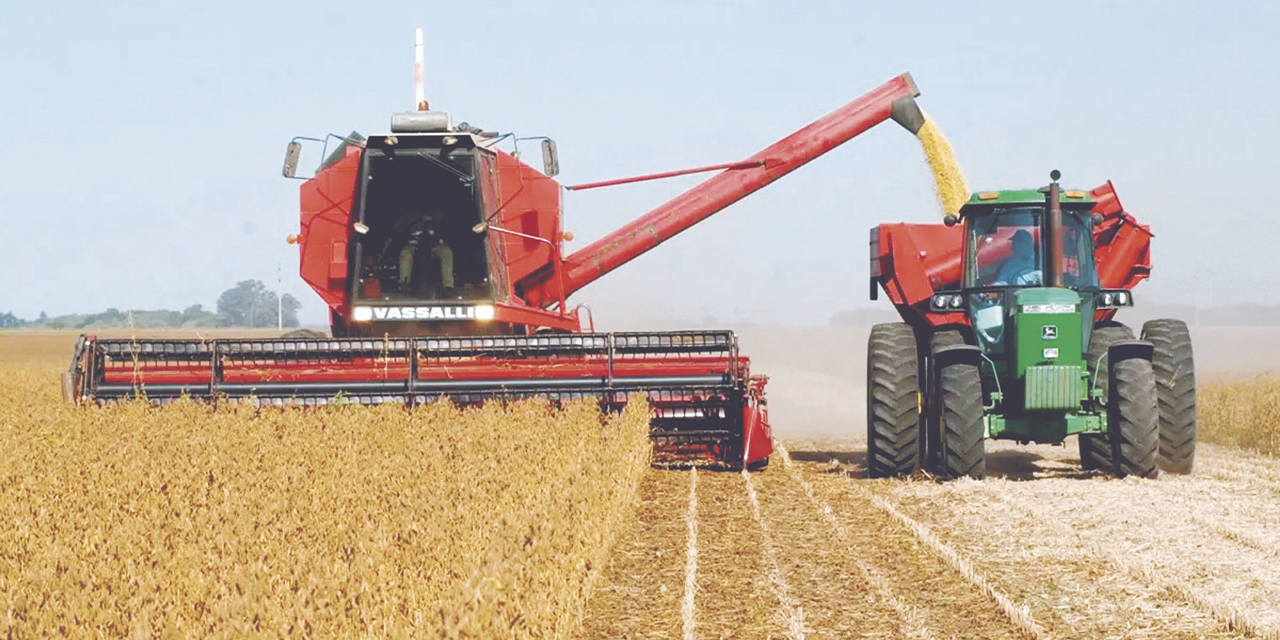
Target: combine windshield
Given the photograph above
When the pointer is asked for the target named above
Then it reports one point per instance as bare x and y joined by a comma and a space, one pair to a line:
419, 207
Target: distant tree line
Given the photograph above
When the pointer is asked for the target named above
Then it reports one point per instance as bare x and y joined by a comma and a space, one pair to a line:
248, 304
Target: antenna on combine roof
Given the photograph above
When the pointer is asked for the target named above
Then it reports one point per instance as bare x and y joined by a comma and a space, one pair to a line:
419, 92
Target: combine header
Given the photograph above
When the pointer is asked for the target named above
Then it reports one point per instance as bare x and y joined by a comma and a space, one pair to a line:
440, 258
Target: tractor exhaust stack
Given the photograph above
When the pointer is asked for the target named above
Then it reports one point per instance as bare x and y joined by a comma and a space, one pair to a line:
1053, 259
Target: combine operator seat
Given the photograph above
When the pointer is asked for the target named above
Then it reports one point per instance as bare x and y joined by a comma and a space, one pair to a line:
416, 203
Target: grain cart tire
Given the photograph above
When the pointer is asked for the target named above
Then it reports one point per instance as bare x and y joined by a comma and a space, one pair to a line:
963, 433
1095, 450
1174, 366
930, 427
1133, 421
893, 401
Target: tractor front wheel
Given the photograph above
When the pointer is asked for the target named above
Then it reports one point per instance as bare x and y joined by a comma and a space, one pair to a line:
1175, 371
1095, 450
1132, 422
893, 401
963, 452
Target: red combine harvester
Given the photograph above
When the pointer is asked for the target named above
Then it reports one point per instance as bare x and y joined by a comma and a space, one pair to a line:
440, 258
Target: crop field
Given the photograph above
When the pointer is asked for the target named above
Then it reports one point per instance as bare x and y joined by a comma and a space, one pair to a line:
526, 521
184, 521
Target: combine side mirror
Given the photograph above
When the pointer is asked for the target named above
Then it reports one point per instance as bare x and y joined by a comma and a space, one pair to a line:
550, 161
291, 155
950, 219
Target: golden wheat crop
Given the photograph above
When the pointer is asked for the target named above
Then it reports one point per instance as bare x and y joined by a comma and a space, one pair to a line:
1241, 413
186, 521
948, 179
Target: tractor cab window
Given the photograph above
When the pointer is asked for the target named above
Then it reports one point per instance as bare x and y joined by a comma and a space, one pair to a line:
1078, 270
419, 207
1003, 248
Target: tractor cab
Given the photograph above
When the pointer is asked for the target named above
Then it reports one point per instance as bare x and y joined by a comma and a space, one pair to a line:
1008, 251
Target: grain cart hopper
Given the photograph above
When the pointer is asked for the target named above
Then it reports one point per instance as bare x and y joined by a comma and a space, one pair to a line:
1008, 332
491, 320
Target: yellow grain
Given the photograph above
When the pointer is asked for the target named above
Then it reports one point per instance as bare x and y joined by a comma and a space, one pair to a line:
948, 179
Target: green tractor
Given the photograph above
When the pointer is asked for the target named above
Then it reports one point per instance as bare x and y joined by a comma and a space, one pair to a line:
1008, 333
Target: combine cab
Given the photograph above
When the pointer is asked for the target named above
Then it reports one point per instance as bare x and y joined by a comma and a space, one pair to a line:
440, 258
1008, 332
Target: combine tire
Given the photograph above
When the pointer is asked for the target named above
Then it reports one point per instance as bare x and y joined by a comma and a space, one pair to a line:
963, 451
1132, 421
893, 401
1095, 450
1175, 372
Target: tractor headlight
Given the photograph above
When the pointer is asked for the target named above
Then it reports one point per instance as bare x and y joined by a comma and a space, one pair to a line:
1115, 299
946, 303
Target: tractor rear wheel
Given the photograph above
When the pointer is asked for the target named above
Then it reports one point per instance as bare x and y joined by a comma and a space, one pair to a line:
1175, 370
963, 436
1133, 423
893, 401
1095, 450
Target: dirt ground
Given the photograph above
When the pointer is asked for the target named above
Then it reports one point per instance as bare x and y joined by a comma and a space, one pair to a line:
809, 548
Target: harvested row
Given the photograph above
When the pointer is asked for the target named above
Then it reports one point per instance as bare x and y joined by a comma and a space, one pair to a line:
639, 593
346, 521
1212, 573
1090, 565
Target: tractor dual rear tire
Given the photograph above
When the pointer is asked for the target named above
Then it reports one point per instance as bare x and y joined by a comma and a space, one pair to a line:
963, 453
1175, 370
893, 401
1133, 423
1095, 449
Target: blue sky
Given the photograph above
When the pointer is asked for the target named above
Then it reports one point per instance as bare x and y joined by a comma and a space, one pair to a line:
142, 142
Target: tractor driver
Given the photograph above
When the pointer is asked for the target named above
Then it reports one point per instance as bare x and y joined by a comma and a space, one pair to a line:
1020, 268
419, 227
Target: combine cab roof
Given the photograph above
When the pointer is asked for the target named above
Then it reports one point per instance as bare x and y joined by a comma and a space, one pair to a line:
1025, 196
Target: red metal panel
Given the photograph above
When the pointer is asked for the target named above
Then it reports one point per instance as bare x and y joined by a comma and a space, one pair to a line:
529, 203
326, 228
757, 435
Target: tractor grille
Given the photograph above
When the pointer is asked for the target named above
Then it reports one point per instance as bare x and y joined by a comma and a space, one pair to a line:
1054, 387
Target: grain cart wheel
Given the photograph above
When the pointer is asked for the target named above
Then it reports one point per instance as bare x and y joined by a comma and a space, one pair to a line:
1095, 451
893, 401
963, 434
1132, 420
1175, 371
930, 426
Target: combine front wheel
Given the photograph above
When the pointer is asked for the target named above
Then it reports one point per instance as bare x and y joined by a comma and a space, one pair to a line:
959, 386
1132, 423
1175, 372
893, 401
